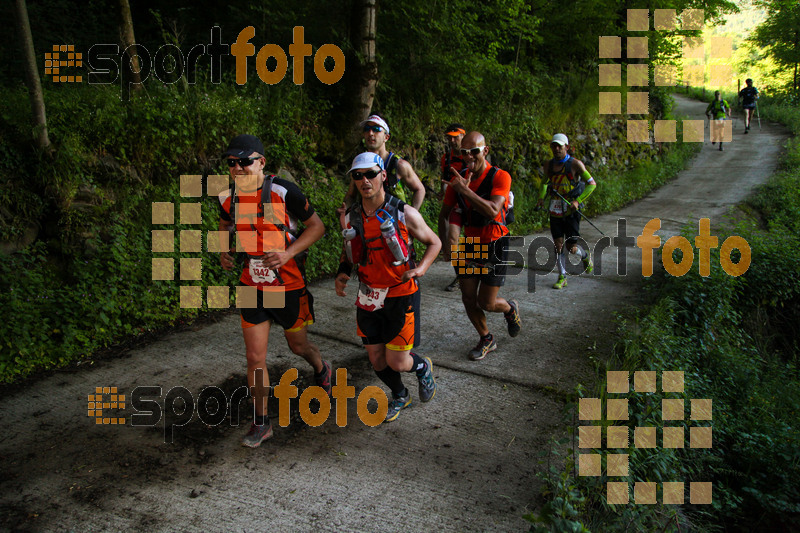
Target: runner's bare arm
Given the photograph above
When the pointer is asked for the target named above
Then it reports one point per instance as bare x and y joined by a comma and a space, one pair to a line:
406, 173
420, 231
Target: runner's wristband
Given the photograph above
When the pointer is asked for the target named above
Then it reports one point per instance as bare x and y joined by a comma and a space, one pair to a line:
344, 268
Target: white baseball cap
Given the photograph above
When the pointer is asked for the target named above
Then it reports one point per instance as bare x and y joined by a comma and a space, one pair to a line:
561, 139
366, 160
377, 120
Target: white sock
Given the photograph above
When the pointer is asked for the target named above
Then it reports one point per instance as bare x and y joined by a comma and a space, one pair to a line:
581, 252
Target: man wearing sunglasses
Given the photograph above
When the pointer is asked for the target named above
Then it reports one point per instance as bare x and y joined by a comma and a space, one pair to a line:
266, 210
385, 315
376, 133
452, 159
482, 195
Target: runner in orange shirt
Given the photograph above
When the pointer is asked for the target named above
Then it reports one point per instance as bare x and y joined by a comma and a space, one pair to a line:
377, 230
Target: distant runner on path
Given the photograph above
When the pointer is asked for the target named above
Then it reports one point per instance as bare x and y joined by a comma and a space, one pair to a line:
451, 159
748, 98
720, 109
273, 268
568, 177
377, 235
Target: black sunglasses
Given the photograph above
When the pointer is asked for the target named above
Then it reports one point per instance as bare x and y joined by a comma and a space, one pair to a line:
376, 129
369, 174
242, 161
472, 151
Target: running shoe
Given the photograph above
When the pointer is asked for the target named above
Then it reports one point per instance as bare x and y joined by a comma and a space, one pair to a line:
397, 404
588, 264
720, 147
513, 319
323, 379
561, 283
257, 435
453, 286
427, 385
483, 347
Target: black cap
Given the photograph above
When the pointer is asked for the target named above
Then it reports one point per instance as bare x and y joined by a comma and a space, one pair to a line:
454, 129
244, 145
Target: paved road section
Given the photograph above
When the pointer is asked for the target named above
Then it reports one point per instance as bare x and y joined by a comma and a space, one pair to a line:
466, 461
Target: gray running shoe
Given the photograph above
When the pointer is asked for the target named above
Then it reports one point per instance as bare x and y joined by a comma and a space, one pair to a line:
453, 285
257, 435
397, 404
427, 385
513, 319
483, 347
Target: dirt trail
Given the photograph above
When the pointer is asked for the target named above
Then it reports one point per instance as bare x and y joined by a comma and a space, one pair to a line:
465, 461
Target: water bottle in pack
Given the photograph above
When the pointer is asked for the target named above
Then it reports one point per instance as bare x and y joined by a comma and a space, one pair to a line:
353, 247
393, 241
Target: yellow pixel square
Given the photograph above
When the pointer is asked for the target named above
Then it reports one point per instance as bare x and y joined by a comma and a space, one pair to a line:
246, 297
644, 437
191, 185
617, 464
644, 492
610, 47
191, 213
637, 75
638, 131
692, 19
638, 103
106, 390
113, 405
672, 409
617, 493
98, 390
617, 409
693, 47
274, 298
217, 184
454, 248
701, 409
190, 240
665, 19
121, 398
665, 75
644, 381
98, 420
617, 381
610, 103
589, 409
589, 436
722, 129
121, 420
90, 405
48, 56
163, 213
106, 420
191, 297
589, 464
247, 241
693, 131
617, 437
484, 247
114, 421
721, 75
637, 47
700, 493
720, 47
694, 75
638, 20
674, 493
664, 131
218, 297
79, 79
107, 405
71, 48
218, 241
191, 269
55, 48
163, 269
673, 437
91, 413
113, 396
672, 381
700, 437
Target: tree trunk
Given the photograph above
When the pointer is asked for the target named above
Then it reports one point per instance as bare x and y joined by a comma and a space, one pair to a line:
367, 69
32, 76
128, 39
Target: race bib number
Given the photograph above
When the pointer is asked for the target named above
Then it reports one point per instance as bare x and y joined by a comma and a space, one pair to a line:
260, 273
370, 299
556, 207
